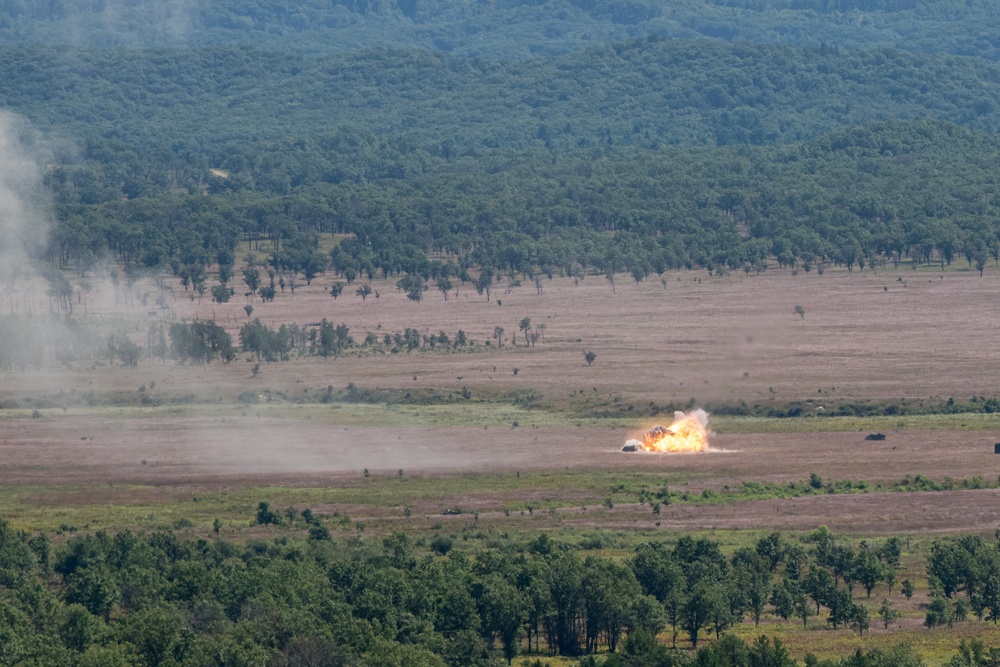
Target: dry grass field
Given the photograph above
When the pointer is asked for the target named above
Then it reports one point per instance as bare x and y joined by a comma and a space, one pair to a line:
864, 335
695, 340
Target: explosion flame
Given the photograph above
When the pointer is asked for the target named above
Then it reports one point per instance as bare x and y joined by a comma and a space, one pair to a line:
687, 433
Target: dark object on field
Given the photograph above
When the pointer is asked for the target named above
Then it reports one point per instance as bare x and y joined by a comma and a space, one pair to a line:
633, 448
996, 448
875, 436
87, 438
452, 511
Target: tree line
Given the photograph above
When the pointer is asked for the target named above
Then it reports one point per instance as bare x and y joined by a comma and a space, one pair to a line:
969, 565
31, 343
628, 212
160, 599
732, 157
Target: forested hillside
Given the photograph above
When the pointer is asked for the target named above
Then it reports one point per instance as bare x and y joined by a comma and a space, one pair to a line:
733, 148
878, 193
502, 29
688, 153
649, 92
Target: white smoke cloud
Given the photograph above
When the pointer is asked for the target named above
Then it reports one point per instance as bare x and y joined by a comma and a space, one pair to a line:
172, 19
698, 415
24, 220
127, 23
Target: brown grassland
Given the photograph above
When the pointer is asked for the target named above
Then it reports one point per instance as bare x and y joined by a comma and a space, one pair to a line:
535, 444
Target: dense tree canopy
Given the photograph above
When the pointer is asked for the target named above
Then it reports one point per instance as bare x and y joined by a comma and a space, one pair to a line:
157, 599
686, 153
681, 152
886, 192
502, 28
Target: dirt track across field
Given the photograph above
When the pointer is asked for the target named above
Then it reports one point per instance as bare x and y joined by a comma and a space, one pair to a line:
165, 450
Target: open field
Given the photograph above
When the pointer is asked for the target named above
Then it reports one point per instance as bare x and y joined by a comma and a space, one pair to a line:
324, 452
486, 443
891, 336
710, 339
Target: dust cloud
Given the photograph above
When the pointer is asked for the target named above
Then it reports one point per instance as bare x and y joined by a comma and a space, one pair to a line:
24, 216
36, 298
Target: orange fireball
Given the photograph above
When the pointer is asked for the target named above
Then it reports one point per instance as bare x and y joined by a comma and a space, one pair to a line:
687, 433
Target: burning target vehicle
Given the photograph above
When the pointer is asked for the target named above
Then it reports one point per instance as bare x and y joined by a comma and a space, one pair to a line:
687, 433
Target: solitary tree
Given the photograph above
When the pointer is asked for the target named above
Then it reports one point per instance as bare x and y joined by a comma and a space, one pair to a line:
860, 620
939, 612
589, 357
336, 289
485, 282
783, 598
702, 601
753, 579
413, 285
525, 326
868, 570
444, 284
800, 603
364, 291
498, 334
220, 293
800, 311
819, 585
251, 277
841, 607
312, 265
887, 613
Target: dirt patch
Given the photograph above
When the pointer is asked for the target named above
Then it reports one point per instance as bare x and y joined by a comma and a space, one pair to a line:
874, 514
164, 449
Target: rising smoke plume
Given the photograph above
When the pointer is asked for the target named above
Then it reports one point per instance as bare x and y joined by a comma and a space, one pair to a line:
23, 233
115, 23
23, 214
132, 24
